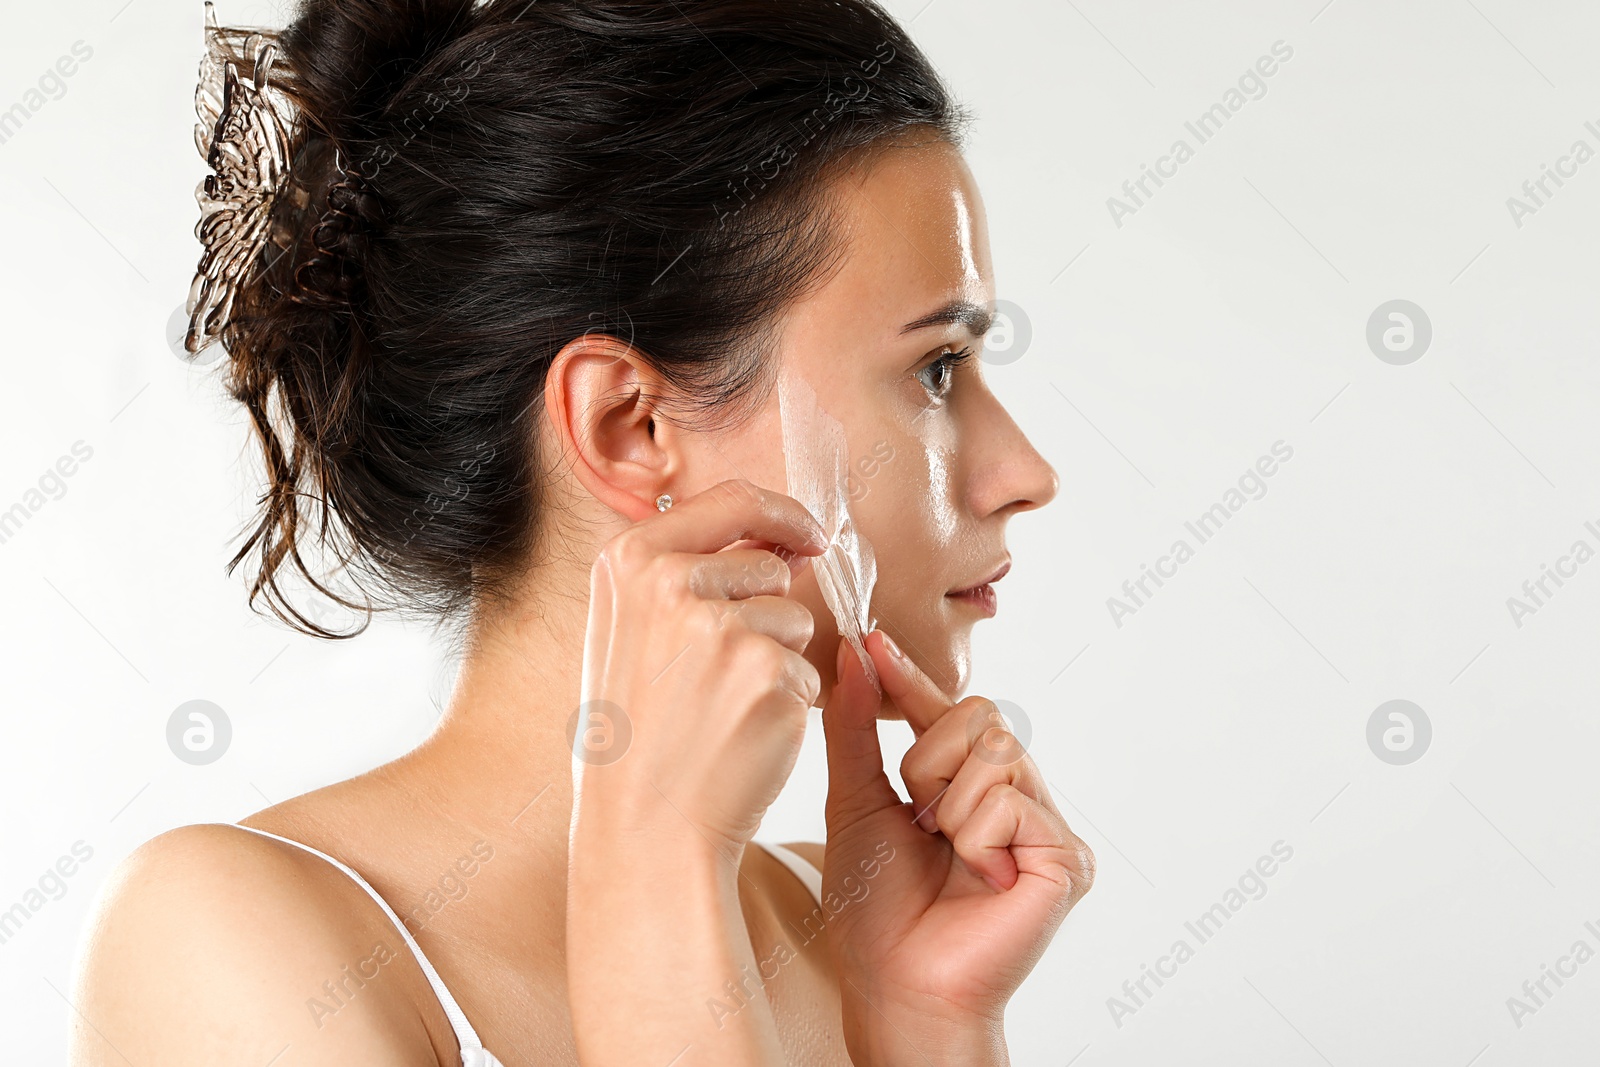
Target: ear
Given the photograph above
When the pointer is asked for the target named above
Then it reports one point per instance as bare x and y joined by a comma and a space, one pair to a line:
599, 398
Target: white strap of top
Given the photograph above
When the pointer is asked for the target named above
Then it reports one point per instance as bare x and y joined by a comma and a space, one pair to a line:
801, 867
473, 1054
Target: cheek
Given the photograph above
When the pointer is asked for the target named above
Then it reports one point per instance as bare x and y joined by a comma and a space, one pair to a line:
906, 507
752, 450
939, 500
930, 476
909, 511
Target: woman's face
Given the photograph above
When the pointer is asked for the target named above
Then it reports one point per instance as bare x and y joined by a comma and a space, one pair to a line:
936, 465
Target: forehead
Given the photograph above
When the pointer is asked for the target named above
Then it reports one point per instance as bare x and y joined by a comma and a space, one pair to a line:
914, 240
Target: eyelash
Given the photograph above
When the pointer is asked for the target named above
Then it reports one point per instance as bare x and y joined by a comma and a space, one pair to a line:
948, 359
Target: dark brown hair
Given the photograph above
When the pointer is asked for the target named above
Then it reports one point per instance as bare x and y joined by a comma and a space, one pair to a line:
476, 184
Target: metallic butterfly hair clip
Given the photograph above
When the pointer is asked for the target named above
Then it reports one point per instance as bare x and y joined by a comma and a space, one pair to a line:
244, 135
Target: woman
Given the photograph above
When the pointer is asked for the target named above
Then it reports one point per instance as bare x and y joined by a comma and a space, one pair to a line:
514, 343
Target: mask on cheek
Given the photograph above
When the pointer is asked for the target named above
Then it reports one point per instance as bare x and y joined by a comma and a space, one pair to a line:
816, 458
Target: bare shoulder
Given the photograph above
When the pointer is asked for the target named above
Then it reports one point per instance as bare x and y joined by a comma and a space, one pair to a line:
210, 944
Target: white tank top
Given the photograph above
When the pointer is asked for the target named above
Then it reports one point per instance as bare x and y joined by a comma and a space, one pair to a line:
473, 1054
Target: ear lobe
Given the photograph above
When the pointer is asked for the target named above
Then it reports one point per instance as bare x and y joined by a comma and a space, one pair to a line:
598, 398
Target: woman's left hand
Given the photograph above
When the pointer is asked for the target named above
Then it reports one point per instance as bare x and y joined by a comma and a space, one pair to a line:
956, 911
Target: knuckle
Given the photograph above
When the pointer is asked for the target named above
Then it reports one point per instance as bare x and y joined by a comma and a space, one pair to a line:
808, 626
980, 713
767, 658
989, 735
739, 494
915, 763
741, 649
999, 745
1080, 871
970, 851
777, 684
624, 554
720, 622
665, 579
807, 682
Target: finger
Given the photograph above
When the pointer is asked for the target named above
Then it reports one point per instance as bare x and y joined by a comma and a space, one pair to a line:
993, 744
911, 691
731, 511
789, 685
971, 783
1011, 835
736, 573
933, 761
801, 680
786, 621
857, 786
793, 560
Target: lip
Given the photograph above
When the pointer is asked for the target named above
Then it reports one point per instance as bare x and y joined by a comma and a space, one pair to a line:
994, 576
981, 595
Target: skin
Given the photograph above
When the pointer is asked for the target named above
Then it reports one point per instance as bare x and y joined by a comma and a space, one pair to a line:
608, 906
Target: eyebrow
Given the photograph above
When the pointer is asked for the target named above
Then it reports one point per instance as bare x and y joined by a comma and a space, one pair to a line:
976, 319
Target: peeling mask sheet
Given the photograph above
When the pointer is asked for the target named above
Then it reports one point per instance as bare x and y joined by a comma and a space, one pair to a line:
816, 457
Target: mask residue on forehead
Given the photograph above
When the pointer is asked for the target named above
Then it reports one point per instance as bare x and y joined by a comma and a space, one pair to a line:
963, 235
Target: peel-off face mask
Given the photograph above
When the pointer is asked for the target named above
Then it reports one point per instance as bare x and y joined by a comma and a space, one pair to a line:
816, 463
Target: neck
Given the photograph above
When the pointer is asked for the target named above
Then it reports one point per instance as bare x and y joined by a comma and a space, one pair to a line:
500, 760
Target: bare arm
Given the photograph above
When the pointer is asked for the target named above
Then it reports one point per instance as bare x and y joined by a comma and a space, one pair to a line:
656, 949
697, 650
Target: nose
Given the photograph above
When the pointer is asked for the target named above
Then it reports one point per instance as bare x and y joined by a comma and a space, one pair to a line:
1009, 474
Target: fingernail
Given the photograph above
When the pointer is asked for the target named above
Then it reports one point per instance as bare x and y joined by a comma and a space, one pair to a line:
890, 647
929, 822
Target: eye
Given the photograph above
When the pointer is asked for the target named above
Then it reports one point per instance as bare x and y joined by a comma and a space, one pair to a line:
937, 377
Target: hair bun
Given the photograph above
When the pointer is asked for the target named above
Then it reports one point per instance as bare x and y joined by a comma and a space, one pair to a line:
349, 60
351, 57
331, 273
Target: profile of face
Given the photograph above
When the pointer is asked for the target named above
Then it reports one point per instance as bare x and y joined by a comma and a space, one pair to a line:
890, 343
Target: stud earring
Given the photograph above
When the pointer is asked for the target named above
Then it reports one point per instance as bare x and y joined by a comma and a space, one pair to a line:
663, 502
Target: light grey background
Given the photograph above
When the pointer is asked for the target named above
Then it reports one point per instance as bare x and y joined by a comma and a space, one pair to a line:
1230, 712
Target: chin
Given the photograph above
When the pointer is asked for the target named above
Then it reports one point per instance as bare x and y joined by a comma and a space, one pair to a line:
945, 656
958, 667
942, 651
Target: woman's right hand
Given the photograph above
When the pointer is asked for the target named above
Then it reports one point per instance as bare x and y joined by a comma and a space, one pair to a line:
693, 706
695, 690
